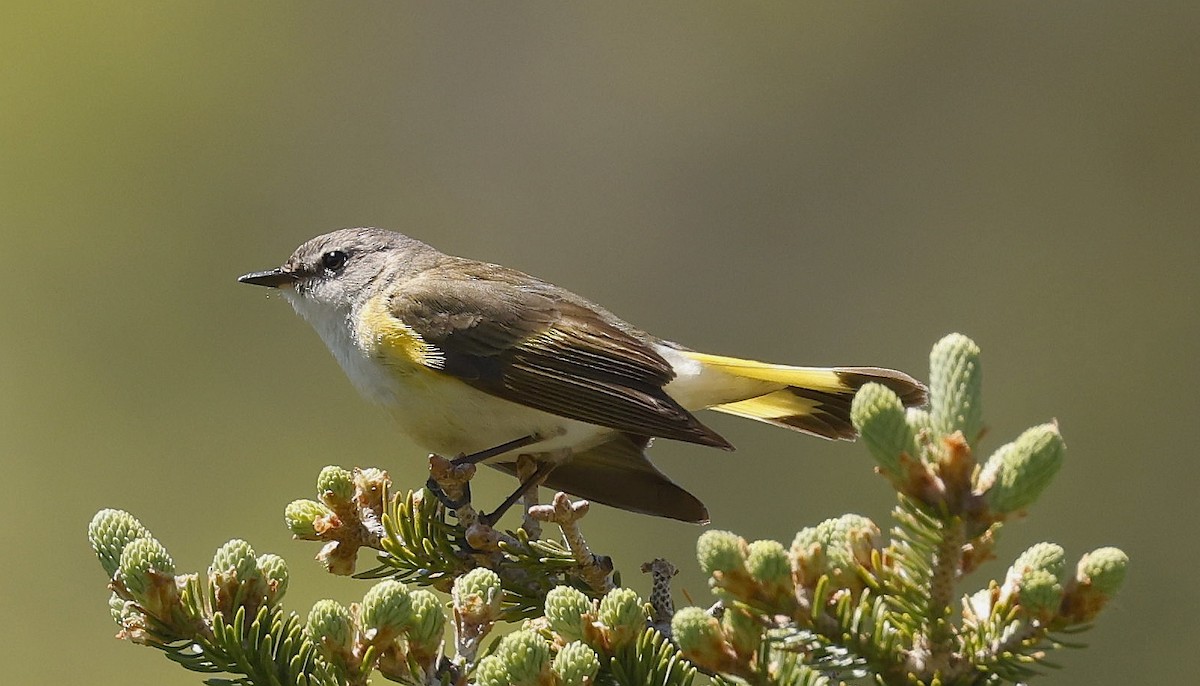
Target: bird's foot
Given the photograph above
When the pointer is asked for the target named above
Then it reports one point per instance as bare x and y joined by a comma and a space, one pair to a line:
450, 483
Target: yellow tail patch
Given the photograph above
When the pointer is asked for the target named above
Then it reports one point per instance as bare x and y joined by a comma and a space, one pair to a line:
816, 378
815, 400
770, 407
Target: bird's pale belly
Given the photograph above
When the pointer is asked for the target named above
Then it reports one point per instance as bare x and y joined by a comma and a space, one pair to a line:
390, 365
436, 411
448, 417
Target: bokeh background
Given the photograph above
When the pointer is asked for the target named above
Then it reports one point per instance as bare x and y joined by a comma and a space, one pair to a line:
835, 183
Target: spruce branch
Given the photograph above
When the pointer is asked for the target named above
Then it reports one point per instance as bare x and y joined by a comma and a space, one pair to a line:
845, 602
855, 606
229, 622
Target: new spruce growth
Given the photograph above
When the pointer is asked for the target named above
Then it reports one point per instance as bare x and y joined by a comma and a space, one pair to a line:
844, 602
855, 605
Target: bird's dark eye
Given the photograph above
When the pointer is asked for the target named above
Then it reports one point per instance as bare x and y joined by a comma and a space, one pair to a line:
333, 260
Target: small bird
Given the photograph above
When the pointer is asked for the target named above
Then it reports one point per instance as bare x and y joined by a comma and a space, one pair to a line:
476, 359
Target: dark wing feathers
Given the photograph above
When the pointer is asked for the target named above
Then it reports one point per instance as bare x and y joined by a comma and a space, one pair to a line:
579, 338
521, 341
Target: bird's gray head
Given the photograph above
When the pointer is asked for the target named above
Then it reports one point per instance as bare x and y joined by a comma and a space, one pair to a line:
330, 277
338, 269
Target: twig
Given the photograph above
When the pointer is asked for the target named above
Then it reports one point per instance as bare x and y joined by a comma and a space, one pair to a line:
355, 523
595, 570
526, 468
946, 564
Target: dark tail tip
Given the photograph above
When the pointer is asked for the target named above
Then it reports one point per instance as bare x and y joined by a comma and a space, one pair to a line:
912, 393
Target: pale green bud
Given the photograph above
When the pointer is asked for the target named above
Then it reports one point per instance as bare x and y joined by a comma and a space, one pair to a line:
879, 416
768, 564
1098, 577
109, 532
428, 621
836, 547
129, 616
565, 610
854, 533
1039, 593
1017, 473
275, 570
526, 656
743, 630
386, 611
336, 484
955, 385
919, 421
623, 616
1035, 579
802, 544
492, 671
301, 517
116, 607
477, 596
141, 561
806, 556
1103, 569
330, 627
838, 562
576, 665
699, 637
236, 579
720, 551
238, 558
1047, 556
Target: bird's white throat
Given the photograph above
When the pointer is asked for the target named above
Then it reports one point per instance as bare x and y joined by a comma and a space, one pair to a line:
336, 327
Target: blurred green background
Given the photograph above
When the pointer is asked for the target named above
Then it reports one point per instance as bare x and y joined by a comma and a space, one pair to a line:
838, 183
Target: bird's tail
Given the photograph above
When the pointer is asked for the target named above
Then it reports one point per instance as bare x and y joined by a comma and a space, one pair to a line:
815, 400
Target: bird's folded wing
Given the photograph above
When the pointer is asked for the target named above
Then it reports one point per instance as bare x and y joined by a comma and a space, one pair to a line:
524, 344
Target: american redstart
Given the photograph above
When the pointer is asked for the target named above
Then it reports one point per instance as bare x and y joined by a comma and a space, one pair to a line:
469, 356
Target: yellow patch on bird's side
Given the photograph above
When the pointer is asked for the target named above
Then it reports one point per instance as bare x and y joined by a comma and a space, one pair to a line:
815, 378
394, 342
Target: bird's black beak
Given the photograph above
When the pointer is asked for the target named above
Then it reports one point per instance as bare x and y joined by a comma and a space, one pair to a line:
272, 278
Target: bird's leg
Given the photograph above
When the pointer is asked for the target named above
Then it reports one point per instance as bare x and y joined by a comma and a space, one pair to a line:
460, 465
543, 470
476, 458
527, 467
